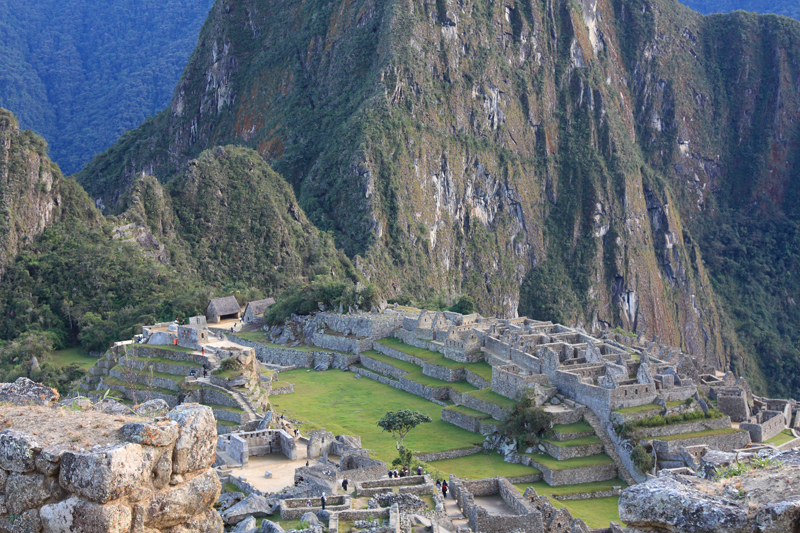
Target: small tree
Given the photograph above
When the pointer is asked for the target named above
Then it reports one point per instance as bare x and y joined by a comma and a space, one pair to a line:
526, 419
399, 423
642, 459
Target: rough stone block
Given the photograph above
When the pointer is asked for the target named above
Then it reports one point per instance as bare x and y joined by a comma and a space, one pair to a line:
162, 433
208, 521
104, 473
18, 451
197, 439
175, 505
27, 392
28, 491
76, 515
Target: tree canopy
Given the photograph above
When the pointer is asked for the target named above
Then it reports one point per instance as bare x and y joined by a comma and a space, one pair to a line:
400, 423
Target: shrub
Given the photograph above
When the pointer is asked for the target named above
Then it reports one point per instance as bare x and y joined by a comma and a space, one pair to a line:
642, 459
305, 298
230, 363
525, 419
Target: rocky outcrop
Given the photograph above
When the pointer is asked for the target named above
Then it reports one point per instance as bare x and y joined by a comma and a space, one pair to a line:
156, 477
27, 392
763, 500
29, 187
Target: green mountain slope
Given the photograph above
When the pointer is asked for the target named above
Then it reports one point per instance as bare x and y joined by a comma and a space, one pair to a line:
788, 8
229, 224
568, 160
82, 72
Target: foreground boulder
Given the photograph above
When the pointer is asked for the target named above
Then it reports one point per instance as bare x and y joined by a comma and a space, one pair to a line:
27, 392
253, 505
88, 471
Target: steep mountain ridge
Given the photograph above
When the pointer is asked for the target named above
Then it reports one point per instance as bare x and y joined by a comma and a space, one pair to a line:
567, 160
29, 188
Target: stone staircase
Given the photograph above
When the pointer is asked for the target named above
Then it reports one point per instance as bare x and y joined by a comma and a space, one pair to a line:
240, 399
608, 445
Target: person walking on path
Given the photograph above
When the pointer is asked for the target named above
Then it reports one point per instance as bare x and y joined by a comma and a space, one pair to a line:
344, 484
323, 501
419, 470
444, 490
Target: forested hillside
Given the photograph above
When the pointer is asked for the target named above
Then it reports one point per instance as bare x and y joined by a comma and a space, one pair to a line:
789, 8
81, 72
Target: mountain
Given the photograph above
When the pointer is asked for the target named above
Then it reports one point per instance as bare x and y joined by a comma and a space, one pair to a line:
227, 225
788, 8
82, 72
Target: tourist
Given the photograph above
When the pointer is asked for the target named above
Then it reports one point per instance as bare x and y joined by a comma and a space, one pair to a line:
308, 503
444, 489
438, 484
306, 463
419, 470
344, 484
323, 501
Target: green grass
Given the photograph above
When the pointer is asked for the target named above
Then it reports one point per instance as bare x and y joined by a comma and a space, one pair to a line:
577, 427
468, 412
345, 405
230, 487
782, 438
482, 369
253, 336
596, 512
228, 374
489, 396
583, 441
228, 424
483, 465
144, 372
256, 336
76, 355
638, 409
555, 464
543, 489
706, 433
397, 363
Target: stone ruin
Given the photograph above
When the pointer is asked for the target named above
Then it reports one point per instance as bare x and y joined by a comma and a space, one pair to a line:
152, 476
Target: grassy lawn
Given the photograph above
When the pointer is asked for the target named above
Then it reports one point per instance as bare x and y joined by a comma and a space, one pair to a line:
169, 347
226, 423
483, 465
225, 408
230, 487
706, 433
543, 489
484, 370
583, 441
596, 512
555, 464
638, 409
228, 374
468, 412
782, 438
577, 427
75, 355
345, 405
397, 363
489, 396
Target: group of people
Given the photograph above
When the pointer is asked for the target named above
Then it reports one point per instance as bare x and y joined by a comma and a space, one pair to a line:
442, 485
404, 472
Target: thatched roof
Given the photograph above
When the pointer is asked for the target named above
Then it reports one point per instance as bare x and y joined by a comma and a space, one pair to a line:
259, 306
223, 306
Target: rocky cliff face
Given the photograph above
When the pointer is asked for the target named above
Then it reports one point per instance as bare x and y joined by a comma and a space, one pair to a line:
555, 159
29, 188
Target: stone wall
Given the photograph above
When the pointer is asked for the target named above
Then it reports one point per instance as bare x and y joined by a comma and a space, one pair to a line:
157, 475
688, 427
732, 401
449, 454
143, 350
281, 356
677, 394
381, 367
292, 509
571, 476
470, 423
341, 343
632, 395
445, 374
357, 467
476, 381
725, 443
374, 326
772, 423
495, 411
562, 453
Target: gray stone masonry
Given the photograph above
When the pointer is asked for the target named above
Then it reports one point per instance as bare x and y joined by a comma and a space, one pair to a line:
381, 367
374, 326
299, 358
523, 516
342, 343
495, 411
570, 476
156, 474
725, 443
767, 424
464, 421
687, 427
294, 508
732, 401
562, 453
417, 485
449, 454
360, 467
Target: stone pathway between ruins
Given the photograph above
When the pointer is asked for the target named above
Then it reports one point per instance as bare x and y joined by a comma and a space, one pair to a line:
454, 513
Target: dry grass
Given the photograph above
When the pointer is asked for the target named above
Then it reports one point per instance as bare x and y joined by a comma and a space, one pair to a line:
64, 427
